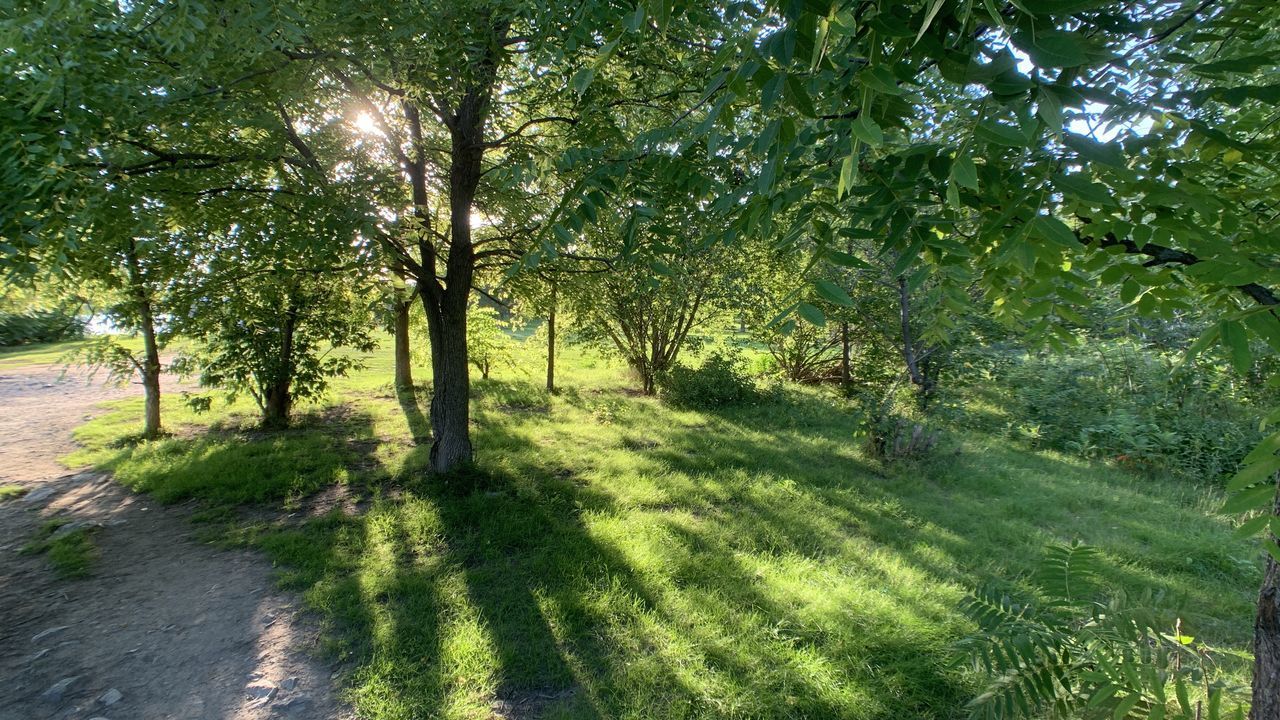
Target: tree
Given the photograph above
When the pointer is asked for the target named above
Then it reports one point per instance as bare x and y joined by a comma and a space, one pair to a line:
277, 337
665, 276
1032, 151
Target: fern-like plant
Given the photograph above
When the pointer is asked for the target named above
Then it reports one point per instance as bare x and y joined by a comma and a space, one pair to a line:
1068, 651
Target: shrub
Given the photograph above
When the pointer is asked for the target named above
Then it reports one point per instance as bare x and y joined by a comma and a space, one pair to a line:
890, 425
721, 380
1131, 405
39, 326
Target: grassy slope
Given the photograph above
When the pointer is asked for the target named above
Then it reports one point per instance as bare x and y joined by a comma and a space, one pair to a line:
622, 559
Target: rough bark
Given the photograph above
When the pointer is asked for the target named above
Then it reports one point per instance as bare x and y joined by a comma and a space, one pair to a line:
551, 342
447, 306
451, 385
1266, 643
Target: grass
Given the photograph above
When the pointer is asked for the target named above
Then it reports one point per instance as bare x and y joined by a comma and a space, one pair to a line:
619, 558
11, 492
71, 553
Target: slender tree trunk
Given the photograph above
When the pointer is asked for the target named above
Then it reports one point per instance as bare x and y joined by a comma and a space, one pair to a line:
278, 400
923, 383
150, 374
404, 366
846, 375
150, 348
551, 342
401, 307
1266, 642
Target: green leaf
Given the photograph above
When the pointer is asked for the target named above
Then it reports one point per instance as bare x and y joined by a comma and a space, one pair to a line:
1266, 448
1124, 706
833, 293
846, 173
866, 130
997, 134
1255, 498
812, 314
1094, 151
582, 80
1053, 48
964, 172
1253, 526
796, 93
1055, 231
1081, 187
1254, 473
1235, 338
1049, 108
844, 259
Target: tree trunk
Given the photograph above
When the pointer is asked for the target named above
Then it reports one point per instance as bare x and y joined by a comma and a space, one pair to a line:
150, 348
278, 396
846, 375
401, 307
922, 381
150, 377
551, 342
447, 306
1266, 642
404, 366
451, 385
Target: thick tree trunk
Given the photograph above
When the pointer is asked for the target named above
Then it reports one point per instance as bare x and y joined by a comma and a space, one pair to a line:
1266, 643
150, 369
275, 413
551, 342
451, 385
404, 366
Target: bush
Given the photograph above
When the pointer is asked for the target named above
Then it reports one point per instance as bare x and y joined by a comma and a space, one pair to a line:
1132, 405
890, 424
721, 380
39, 326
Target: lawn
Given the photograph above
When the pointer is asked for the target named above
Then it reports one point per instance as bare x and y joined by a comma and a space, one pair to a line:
622, 559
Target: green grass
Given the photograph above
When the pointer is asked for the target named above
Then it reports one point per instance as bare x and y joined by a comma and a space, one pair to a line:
618, 558
71, 554
11, 492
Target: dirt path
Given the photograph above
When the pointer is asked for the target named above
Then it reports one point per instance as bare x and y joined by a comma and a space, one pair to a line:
165, 627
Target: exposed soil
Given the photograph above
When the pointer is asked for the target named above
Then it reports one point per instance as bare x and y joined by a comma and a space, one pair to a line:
165, 626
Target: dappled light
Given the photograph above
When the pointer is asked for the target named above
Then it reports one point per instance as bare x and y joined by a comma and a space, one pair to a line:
642, 359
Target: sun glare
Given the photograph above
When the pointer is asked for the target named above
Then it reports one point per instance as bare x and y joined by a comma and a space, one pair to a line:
365, 123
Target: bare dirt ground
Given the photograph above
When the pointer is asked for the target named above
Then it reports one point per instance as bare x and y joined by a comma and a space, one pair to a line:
164, 627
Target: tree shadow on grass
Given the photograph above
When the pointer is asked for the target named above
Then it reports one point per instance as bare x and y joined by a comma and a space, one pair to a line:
765, 571
419, 426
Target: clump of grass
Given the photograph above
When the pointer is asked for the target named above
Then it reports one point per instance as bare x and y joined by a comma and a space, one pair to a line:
11, 492
71, 553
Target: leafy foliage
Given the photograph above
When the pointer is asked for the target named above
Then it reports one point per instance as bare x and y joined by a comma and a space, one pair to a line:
278, 338
39, 326
1067, 651
720, 381
1124, 402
